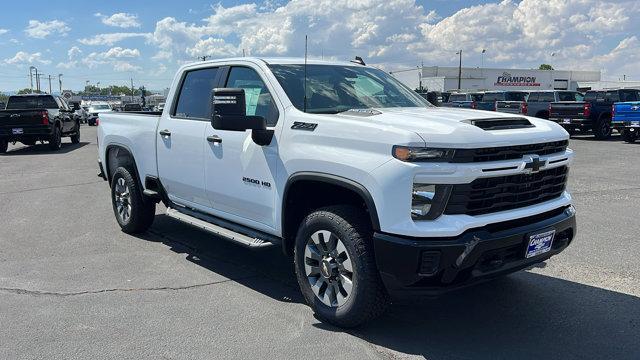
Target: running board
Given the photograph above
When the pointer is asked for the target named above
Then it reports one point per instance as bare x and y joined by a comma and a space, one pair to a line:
251, 239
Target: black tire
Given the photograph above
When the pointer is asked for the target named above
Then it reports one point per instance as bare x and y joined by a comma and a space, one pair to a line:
75, 138
55, 141
141, 211
4, 145
629, 137
602, 128
368, 298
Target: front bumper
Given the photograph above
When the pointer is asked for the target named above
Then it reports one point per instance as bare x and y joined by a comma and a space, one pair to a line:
430, 266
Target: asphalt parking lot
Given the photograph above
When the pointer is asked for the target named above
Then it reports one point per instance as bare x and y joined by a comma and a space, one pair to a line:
72, 285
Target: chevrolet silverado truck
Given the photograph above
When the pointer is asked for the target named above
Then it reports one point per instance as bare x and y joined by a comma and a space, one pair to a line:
374, 192
626, 119
538, 101
31, 118
592, 114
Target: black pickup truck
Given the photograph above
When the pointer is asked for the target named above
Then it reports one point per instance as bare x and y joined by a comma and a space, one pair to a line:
31, 118
592, 114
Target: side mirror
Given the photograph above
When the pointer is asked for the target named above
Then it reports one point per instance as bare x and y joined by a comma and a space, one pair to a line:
229, 112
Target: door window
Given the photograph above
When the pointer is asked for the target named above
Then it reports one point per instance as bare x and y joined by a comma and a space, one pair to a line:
194, 97
258, 99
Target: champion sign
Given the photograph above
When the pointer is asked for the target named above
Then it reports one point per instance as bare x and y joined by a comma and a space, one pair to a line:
507, 79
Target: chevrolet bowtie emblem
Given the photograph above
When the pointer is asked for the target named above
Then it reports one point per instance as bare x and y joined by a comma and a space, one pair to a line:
533, 163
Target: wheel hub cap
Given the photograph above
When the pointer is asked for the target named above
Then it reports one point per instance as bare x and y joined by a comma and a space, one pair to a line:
328, 268
123, 200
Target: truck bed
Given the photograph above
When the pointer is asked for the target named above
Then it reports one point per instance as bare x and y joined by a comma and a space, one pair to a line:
135, 131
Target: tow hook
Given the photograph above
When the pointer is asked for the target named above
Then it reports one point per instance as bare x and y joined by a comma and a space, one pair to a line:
467, 250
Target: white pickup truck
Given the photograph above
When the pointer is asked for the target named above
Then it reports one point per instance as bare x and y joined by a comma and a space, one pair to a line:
374, 192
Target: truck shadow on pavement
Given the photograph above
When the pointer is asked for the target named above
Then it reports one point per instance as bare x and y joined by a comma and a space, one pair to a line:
522, 316
43, 149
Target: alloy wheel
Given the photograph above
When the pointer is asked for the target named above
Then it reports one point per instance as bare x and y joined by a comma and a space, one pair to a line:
123, 200
328, 268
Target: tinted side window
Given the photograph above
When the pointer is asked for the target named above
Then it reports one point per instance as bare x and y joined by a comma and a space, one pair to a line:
476, 97
590, 95
457, 97
194, 98
493, 97
628, 96
611, 96
533, 97
547, 97
258, 99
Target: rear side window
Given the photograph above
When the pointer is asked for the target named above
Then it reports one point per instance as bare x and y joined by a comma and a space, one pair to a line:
31, 102
533, 97
476, 97
591, 95
570, 96
458, 97
546, 97
493, 97
515, 96
195, 93
611, 96
258, 99
628, 96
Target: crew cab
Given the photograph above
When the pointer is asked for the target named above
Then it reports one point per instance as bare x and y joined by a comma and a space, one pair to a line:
464, 100
31, 118
374, 192
538, 101
626, 119
592, 114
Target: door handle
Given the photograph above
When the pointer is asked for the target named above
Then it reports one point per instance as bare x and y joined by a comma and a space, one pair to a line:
214, 139
165, 132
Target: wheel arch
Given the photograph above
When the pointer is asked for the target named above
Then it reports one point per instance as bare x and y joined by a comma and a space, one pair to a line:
117, 155
330, 188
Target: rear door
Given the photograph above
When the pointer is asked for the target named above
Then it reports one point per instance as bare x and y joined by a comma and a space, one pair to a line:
239, 173
181, 139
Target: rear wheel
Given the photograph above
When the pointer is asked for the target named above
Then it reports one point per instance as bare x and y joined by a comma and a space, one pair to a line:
336, 269
133, 211
602, 128
629, 137
75, 138
4, 145
55, 141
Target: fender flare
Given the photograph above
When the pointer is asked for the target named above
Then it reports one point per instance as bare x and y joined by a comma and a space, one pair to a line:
333, 180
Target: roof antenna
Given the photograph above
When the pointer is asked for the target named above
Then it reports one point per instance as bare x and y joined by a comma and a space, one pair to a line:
358, 60
305, 73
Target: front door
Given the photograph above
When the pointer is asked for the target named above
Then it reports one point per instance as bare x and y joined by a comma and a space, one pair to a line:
239, 173
181, 140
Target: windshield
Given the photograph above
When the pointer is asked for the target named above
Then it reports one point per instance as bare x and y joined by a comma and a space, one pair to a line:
100, 107
332, 88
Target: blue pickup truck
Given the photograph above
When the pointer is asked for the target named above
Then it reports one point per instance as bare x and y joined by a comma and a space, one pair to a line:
592, 114
626, 119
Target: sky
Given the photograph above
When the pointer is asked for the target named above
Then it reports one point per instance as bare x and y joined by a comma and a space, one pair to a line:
111, 42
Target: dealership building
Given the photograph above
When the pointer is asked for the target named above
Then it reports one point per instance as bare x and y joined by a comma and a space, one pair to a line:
445, 78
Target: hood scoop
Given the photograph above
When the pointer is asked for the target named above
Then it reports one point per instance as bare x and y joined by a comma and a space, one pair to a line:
500, 123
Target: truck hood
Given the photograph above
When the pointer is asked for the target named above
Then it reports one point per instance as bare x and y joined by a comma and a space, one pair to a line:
451, 127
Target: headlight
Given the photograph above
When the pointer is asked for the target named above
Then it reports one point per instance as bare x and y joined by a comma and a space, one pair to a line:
428, 201
406, 153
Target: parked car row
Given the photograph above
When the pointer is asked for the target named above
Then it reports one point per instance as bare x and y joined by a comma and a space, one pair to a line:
592, 112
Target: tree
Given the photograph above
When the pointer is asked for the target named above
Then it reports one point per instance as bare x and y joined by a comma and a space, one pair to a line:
545, 67
28, 91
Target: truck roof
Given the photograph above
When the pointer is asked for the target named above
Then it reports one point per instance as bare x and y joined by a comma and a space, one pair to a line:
279, 61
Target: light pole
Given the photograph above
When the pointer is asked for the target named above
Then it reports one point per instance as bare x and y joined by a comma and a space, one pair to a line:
86, 85
482, 54
60, 82
49, 84
459, 70
31, 68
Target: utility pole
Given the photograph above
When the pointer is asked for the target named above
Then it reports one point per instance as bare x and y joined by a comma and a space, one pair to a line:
482, 54
460, 70
37, 81
420, 75
60, 82
31, 76
132, 88
49, 84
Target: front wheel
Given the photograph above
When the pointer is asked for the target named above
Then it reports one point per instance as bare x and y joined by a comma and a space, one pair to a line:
336, 269
55, 141
133, 212
4, 145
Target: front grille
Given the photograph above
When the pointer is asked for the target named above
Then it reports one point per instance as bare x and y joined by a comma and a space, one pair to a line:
508, 152
488, 195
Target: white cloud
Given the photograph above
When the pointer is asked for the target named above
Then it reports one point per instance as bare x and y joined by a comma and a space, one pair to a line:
74, 52
3, 31
212, 47
25, 58
118, 52
110, 38
121, 20
123, 66
40, 30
